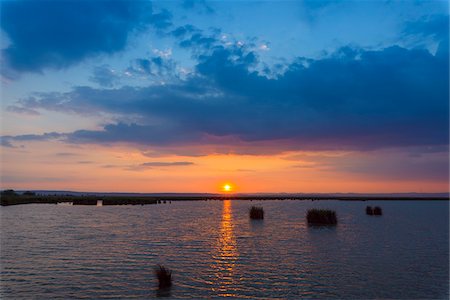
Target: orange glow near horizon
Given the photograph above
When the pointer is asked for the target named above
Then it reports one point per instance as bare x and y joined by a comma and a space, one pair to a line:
57, 166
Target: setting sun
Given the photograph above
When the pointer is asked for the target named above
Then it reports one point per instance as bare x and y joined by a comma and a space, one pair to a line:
227, 187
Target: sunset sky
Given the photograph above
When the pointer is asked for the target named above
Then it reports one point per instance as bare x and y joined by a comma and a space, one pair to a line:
301, 96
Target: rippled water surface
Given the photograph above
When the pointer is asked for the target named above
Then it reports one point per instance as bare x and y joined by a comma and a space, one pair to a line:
214, 250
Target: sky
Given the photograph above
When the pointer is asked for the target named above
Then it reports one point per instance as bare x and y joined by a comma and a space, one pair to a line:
185, 96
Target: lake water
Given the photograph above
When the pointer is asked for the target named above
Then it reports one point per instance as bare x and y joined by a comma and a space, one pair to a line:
214, 250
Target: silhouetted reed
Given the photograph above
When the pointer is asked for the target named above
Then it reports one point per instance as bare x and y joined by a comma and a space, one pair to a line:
127, 201
377, 211
256, 213
85, 201
164, 276
321, 217
369, 210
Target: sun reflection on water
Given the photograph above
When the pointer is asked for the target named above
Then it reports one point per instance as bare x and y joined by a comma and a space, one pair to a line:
225, 255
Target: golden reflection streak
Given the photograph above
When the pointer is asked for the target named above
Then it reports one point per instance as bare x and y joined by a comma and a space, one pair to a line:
226, 254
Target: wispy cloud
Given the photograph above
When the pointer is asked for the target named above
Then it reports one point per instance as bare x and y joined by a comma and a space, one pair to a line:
166, 164
158, 165
65, 154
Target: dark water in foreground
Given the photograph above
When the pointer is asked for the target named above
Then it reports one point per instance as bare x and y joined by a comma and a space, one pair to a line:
214, 250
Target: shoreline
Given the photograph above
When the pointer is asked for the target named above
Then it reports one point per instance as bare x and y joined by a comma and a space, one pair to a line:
145, 200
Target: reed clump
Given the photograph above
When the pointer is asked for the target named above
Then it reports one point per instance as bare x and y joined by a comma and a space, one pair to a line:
377, 211
256, 213
164, 276
321, 217
374, 211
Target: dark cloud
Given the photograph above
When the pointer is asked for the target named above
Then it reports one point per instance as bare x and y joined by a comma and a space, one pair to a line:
57, 34
353, 99
132, 133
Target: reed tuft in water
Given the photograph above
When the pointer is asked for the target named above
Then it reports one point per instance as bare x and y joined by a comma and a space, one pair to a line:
321, 217
377, 211
256, 213
369, 210
164, 276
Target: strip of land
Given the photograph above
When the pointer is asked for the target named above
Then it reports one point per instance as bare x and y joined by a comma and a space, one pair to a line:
16, 199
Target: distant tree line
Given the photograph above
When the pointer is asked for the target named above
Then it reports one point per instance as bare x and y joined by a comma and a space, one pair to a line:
14, 193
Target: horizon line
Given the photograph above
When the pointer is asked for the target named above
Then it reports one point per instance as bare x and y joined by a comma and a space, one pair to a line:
447, 193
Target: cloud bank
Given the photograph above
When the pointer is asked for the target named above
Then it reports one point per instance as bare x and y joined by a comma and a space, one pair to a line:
352, 99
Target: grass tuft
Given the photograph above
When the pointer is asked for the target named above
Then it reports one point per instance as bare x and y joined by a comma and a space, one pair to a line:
256, 213
164, 276
377, 211
321, 217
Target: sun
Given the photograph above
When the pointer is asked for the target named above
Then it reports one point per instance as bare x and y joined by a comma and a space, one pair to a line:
227, 187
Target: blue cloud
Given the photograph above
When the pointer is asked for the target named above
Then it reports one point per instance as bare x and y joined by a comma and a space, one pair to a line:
162, 20
353, 99
183, 30
5, 141
435, 26
57, 34
160, 67
200, 5
104, 76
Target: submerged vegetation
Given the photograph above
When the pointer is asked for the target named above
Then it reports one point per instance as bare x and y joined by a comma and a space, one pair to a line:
256, 213
164, 276
321, 217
